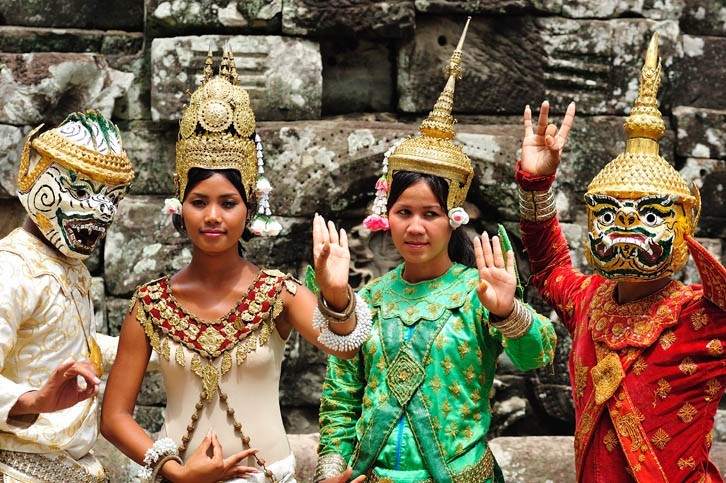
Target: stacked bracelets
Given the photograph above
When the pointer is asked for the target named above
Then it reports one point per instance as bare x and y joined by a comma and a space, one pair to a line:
537, 206
323, 316
160, 452
329, 465
518, 322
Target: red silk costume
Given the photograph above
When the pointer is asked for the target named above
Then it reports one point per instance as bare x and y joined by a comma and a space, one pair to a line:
649, 418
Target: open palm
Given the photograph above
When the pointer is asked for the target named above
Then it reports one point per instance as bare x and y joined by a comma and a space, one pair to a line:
542, 147
331, 258
498, 281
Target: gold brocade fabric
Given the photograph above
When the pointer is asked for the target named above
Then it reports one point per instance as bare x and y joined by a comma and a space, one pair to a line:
248, 324
639, 323
56, 468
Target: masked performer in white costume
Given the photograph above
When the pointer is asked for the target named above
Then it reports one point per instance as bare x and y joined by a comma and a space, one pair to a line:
70, 182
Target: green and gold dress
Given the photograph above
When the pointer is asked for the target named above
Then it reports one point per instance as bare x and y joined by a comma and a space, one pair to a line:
413, 405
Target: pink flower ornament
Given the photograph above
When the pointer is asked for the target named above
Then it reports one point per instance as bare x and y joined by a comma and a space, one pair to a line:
376, 223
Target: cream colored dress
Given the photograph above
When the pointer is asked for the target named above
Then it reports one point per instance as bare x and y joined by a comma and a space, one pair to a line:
45, 307
245, 359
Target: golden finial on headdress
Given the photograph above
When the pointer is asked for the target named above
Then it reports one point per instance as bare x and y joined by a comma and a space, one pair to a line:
433, 152
233, 77
645, 125
640, 170
440, 123
208, 63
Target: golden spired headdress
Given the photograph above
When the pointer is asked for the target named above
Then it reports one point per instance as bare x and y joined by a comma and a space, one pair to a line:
432, 152
112, 166
216, 128
217, 131
640, 170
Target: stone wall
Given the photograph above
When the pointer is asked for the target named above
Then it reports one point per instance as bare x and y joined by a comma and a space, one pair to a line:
333, 84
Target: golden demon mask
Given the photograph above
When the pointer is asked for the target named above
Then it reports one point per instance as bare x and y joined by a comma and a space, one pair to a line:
639, 207
432, 153
71, 179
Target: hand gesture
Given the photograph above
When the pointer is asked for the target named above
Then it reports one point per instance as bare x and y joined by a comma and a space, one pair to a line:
497, 284
344, 478
206, 464
62, 389
331, 259
542, 148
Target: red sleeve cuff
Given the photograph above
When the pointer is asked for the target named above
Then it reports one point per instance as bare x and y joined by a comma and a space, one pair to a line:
529, 182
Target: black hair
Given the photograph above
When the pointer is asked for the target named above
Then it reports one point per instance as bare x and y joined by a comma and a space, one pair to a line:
196, 176
461, 249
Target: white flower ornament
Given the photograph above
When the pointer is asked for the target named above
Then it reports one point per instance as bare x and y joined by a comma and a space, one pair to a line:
457, 217
172, 206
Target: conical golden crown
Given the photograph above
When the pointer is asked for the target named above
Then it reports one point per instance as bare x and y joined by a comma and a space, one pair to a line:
216, 128
433, 152
640, 170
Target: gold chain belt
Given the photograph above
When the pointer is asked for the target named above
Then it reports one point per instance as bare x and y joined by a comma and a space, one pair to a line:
48, 470
477, 473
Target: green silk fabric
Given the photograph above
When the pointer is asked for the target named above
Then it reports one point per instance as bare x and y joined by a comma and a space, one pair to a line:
413, 404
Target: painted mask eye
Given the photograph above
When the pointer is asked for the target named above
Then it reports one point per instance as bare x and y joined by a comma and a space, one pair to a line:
606, 218
652, 219
80, 193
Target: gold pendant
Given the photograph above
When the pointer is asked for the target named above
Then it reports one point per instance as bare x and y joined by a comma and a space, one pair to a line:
96, 356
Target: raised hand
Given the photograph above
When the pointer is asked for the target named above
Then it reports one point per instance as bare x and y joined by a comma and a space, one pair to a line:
542, 147
331, 259
344, 478
497, 282
206, 464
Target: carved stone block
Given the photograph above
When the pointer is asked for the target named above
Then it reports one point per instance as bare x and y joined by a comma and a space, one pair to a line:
379, 19
46, 87
164, 17
283, 75
510, 61
700, 132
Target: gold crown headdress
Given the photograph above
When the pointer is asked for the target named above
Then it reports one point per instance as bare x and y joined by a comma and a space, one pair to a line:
640, 170
432, 153
91, 145
217, 131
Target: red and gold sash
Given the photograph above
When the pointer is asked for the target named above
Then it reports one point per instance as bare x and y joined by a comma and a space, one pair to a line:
609, 392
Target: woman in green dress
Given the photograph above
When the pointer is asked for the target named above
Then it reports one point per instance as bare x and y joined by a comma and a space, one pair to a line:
413, 405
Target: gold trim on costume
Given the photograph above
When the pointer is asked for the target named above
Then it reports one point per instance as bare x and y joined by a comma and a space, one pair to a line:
479, 472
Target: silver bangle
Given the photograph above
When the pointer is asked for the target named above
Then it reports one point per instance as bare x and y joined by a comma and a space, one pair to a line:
537, 206
330, 465
518, 322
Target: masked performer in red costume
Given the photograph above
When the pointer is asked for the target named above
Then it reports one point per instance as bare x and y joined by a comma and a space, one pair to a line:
647, 363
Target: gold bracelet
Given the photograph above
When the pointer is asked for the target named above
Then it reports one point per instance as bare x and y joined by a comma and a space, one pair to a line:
518, 322
537, 206
333, 316
330, 465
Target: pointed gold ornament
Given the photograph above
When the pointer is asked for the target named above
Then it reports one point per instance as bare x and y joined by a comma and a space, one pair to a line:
433, 152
